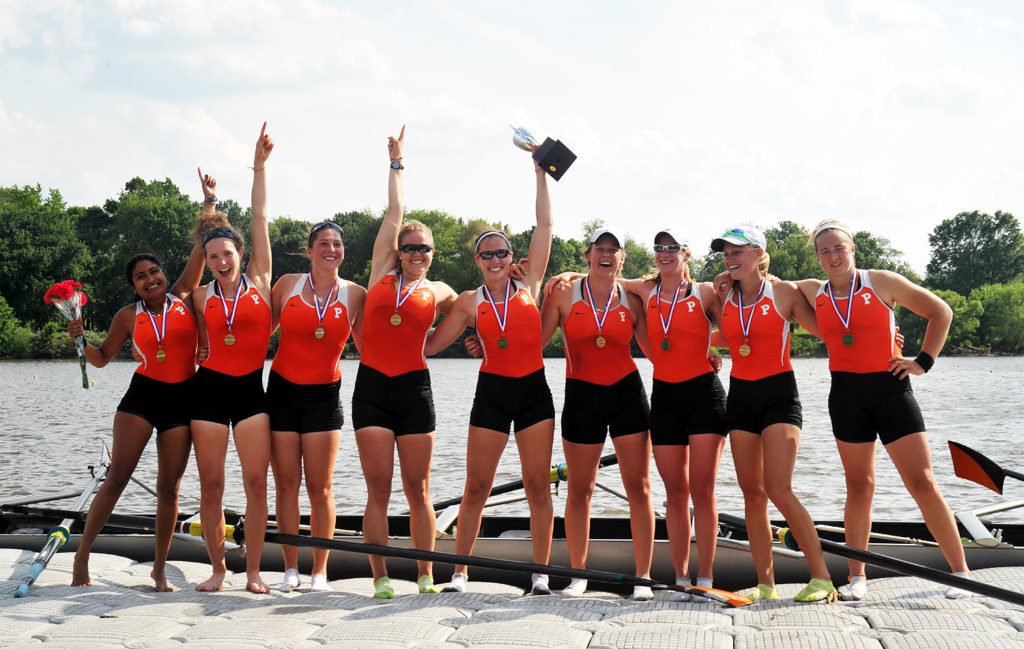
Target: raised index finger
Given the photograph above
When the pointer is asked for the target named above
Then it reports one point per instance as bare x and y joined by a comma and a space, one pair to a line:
201, 179
263, 131
401, 135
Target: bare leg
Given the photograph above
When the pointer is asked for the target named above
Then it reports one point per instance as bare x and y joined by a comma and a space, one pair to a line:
779, 444
634, 453
582, 461
534, 444
131, 434
286, 460
415, 453
859, 467
747, 457
211, 442
705, 456
913, 460
252, 441
672, 461
172, 451
483, 451
377, 457
319, 451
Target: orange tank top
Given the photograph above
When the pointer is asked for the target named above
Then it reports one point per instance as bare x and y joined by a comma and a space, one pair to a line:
682, 353
520, 354
249, 333
393, 345
179, 335
584, 359
871, 338
768, 337
301, 356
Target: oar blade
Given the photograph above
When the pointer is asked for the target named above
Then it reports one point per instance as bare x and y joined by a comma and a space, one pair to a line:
972, 465
726, 597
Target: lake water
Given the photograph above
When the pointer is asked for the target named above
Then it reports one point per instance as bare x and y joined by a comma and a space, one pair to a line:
50, 431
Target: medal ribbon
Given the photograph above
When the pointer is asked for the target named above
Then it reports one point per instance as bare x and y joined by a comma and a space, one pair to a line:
502, 319
849, 302
665, 323
320, 313
234, 305
162, 331
399, 299
590, 296
746, 322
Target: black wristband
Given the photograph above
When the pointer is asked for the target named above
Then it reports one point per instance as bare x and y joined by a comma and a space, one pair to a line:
925, 360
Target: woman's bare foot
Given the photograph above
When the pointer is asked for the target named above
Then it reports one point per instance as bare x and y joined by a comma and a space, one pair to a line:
80, 573
256, 585
160, 582
215, 582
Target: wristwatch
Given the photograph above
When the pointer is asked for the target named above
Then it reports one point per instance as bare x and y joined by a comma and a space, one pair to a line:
397, 164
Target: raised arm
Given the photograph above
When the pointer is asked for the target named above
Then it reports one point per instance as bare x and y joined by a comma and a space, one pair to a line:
260, 261
895, 288
385, 247
540, 242
458, 318
192, 274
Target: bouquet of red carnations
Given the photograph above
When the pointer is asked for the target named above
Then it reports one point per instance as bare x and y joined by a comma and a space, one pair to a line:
69, 300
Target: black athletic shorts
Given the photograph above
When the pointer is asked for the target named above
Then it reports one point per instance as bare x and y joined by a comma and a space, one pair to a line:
590, 410
164, 405
302, 408
691, 407
403, 404
753, 406
863, 406
226, 399
501, 401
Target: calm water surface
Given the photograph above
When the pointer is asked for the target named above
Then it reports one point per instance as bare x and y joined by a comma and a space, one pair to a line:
51, 429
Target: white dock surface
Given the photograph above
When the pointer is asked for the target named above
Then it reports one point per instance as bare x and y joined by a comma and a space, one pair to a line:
122, 610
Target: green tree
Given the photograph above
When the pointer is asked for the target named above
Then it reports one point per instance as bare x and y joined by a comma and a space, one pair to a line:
639, 260
877, 253
974, 249
791, 252
1002, 322
962, 331
288, 241
38, 246
360, 232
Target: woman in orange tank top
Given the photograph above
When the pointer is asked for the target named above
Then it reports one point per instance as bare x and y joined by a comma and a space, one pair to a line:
234, 323
392, 405
871, 395
511, 388
163, 331
316, 312
763, 409
603, 395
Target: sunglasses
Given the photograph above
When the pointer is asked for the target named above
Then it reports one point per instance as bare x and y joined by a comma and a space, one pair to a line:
667, 247
491, 254
326, 224
218, 233
411, 248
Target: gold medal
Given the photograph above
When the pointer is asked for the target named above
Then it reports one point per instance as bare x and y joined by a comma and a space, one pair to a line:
665, 344
744, 349
600, 342
319, 333
396, 319
161, 355
848, 339
229, 339
503, 342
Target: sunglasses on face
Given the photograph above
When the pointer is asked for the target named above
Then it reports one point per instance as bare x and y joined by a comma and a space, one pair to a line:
491, 254
667, 247
411, 248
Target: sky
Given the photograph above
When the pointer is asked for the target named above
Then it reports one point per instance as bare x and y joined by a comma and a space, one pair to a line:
889, 114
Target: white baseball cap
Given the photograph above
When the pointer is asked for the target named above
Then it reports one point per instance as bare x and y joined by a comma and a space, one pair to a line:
600, 232
741, 236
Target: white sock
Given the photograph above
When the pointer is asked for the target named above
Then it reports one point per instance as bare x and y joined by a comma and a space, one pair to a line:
540, 585
680, 596
458, 583
319, 583
857, 589
290, 581
642, 594
575, 588
959, 593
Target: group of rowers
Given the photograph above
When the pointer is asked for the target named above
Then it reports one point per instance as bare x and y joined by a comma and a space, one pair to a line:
294, 425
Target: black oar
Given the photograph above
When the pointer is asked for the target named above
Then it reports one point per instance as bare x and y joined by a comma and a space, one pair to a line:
560, 472
972, 465
893, 564
59, 535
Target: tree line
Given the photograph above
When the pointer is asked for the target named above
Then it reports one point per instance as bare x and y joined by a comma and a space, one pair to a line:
976, 263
